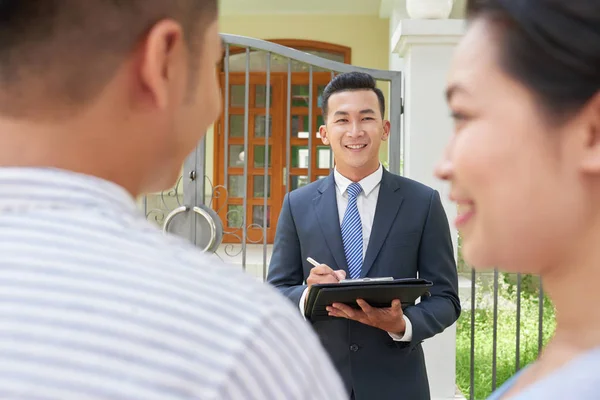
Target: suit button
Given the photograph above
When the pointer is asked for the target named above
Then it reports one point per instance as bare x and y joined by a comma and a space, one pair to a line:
353, 347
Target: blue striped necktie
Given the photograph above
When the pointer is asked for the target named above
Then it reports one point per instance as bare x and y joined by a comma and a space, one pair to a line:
352, 237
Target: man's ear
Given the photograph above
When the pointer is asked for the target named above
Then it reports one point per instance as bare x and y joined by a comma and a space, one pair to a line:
386, 130
323, 133
590, 161
162, 62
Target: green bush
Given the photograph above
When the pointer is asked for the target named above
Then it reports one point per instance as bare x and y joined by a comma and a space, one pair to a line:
506, 332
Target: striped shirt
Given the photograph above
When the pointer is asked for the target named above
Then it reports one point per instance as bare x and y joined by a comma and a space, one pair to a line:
95, 303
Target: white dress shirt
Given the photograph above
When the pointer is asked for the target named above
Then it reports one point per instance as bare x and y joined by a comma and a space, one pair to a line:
366, 203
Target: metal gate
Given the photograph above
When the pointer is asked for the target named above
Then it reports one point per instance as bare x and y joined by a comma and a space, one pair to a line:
189, 209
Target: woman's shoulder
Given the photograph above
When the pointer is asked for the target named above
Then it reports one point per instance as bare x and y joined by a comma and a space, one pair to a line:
577, 379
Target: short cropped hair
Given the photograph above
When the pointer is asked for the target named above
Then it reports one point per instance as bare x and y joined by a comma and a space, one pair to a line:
351, 81
65, 51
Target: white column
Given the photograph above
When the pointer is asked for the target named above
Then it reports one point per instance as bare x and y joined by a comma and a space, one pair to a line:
426, 48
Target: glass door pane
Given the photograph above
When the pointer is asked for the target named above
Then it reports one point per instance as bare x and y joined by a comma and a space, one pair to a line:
264, 135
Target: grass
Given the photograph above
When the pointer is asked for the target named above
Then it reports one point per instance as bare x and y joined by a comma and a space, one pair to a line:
506, 333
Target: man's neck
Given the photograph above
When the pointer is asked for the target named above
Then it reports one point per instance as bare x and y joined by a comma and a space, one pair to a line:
29, 145
355, 174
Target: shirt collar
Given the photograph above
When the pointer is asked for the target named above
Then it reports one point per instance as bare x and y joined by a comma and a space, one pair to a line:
368, 183
43, 188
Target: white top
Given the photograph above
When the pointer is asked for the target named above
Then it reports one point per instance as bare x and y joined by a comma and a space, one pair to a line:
96, 303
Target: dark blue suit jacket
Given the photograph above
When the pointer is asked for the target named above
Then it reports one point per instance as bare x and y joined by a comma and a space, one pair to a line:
410, 235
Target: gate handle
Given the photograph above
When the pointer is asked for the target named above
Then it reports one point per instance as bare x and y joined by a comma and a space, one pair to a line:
199, 211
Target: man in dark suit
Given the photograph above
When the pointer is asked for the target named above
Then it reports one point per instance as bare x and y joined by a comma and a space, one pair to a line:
363, 221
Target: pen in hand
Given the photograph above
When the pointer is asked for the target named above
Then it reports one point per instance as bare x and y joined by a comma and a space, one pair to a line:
313, 262
324, 270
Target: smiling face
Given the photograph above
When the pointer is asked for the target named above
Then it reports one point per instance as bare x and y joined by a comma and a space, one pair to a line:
354, 129
515, 174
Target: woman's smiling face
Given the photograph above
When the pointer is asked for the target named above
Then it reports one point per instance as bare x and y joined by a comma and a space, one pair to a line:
512, 171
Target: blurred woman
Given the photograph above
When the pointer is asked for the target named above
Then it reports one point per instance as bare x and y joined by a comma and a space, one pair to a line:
524, 165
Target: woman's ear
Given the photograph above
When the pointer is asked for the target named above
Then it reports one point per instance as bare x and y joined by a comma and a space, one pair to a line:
590, 161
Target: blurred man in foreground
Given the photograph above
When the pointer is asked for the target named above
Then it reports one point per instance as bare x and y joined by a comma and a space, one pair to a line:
100, 101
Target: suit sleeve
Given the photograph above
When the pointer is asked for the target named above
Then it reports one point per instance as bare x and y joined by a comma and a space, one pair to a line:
435, 263
285, 268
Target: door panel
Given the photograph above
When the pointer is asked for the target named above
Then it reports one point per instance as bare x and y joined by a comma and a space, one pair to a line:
262, 148
230, 203
321, 159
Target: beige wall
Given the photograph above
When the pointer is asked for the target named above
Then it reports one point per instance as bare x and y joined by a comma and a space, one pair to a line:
367, 36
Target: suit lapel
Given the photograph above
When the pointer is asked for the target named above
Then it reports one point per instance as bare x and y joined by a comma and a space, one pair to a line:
388, 204
325, 204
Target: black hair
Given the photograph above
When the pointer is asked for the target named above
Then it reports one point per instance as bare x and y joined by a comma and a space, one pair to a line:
68, 49
351, 81
550, 46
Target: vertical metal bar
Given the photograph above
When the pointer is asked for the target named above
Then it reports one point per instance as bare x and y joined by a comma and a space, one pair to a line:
198, 181
226, 124
266, 178
200, 169
310, 138
541, 318
495, 331
331, 164
472, 358
518, 333
288, 146
394, 146
246, 159
403, 131
190, 195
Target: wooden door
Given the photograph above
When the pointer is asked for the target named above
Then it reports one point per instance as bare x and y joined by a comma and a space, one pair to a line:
229, 203
321, 158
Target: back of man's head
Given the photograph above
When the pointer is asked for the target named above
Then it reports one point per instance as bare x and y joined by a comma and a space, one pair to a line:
139, 70
60, 53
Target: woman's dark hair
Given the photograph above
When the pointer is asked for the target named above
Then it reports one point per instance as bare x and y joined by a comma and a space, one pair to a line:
351, 81
550, 46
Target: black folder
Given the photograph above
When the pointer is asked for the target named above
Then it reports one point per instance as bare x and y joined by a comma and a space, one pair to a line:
378, 293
